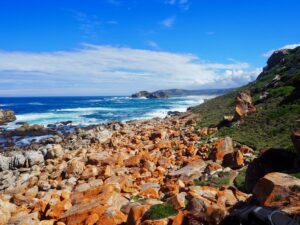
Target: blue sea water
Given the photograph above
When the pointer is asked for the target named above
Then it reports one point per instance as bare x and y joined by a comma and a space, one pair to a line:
93, 110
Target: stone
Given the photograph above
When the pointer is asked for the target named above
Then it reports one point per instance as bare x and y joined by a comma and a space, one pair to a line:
44, 185
178, 200
274, 186
234, 160
136, 214
25, 219
54, 151
150, 193
7, 116
4, 163
244, 105
17, 161
155, 222
221, 147
195, 167
34, 158
75, 168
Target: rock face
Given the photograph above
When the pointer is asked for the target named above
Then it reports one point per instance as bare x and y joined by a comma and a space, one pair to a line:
146, 94
7, 116
244, 105
276, 58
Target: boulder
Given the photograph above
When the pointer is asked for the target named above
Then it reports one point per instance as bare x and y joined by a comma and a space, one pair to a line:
271, 160
75, 168
195, 167
275, 187
54, 151
34, 158
4, 163
17, 161
244, 105
7, 116
221, 148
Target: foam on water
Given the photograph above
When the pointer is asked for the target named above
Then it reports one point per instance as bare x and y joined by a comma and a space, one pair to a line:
94, 110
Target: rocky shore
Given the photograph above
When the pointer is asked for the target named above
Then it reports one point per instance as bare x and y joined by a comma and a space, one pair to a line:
158, 172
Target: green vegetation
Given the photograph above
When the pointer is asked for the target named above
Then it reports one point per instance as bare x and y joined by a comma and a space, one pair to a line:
297, 175
277, 198
161, 211
220, 180
271, 126
240, 179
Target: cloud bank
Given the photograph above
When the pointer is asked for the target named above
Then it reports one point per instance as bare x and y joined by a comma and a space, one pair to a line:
111, 70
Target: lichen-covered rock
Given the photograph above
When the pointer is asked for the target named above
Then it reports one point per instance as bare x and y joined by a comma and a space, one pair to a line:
275, 187
244, 105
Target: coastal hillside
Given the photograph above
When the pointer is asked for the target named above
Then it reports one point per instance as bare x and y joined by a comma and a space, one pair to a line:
276, 96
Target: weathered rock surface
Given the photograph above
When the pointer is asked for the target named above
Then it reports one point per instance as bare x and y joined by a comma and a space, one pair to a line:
244, 105
278, 189
6, 116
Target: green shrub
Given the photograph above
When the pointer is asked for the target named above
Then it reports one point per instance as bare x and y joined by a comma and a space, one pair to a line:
240, 179
282, 91
161, 211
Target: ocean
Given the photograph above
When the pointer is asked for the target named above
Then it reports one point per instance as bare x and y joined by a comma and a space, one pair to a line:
84, 111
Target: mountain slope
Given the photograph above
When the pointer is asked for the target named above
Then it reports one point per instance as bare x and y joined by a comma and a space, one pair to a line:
276, 95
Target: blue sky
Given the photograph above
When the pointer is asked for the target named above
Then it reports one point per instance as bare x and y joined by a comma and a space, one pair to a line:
116, 47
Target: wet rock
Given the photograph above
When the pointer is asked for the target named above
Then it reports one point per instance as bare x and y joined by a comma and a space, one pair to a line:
31, 130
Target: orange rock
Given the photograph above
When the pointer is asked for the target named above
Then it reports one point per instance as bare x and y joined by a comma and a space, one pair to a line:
136, 214
178, 201
244, 105
112, 217
178, 219
75, 168
133, 161
163, 144
155, 222
274, 187
150, 193
221, 147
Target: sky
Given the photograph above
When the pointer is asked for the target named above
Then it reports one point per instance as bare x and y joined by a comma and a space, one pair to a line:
118, 47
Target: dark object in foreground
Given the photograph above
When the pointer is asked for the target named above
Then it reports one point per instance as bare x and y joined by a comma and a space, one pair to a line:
256, 215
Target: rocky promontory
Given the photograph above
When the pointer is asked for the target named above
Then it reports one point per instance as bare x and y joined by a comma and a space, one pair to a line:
146, 94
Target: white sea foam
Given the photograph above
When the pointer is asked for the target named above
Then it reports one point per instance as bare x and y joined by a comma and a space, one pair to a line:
35, 103
90, 109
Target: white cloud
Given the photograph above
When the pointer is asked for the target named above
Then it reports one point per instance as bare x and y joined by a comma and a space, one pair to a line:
168, 22
290, 46
100, 70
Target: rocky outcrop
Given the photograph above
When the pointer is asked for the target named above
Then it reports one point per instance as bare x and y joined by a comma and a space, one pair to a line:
6, 116
146, 94
31, 130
